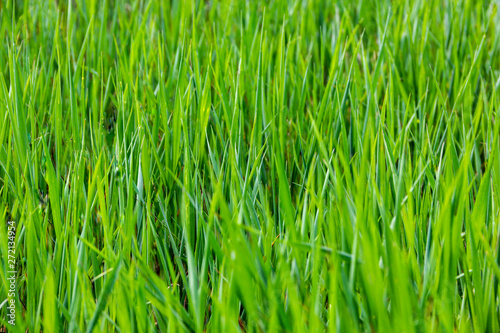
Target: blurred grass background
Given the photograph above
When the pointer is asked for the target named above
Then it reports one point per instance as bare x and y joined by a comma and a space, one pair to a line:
255, 166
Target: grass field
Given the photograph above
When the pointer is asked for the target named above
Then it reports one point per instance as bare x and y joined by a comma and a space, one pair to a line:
254, 166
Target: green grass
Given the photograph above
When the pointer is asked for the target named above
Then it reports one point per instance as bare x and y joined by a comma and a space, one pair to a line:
256, 166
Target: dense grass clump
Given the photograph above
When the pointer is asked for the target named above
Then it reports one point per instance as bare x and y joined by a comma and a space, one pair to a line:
255, 166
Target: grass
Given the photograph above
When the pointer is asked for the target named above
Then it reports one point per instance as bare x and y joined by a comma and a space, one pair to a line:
251, 165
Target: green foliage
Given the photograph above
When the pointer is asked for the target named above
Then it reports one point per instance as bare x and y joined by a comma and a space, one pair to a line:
275, 166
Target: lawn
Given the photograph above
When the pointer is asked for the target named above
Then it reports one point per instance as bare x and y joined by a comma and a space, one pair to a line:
251, 166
